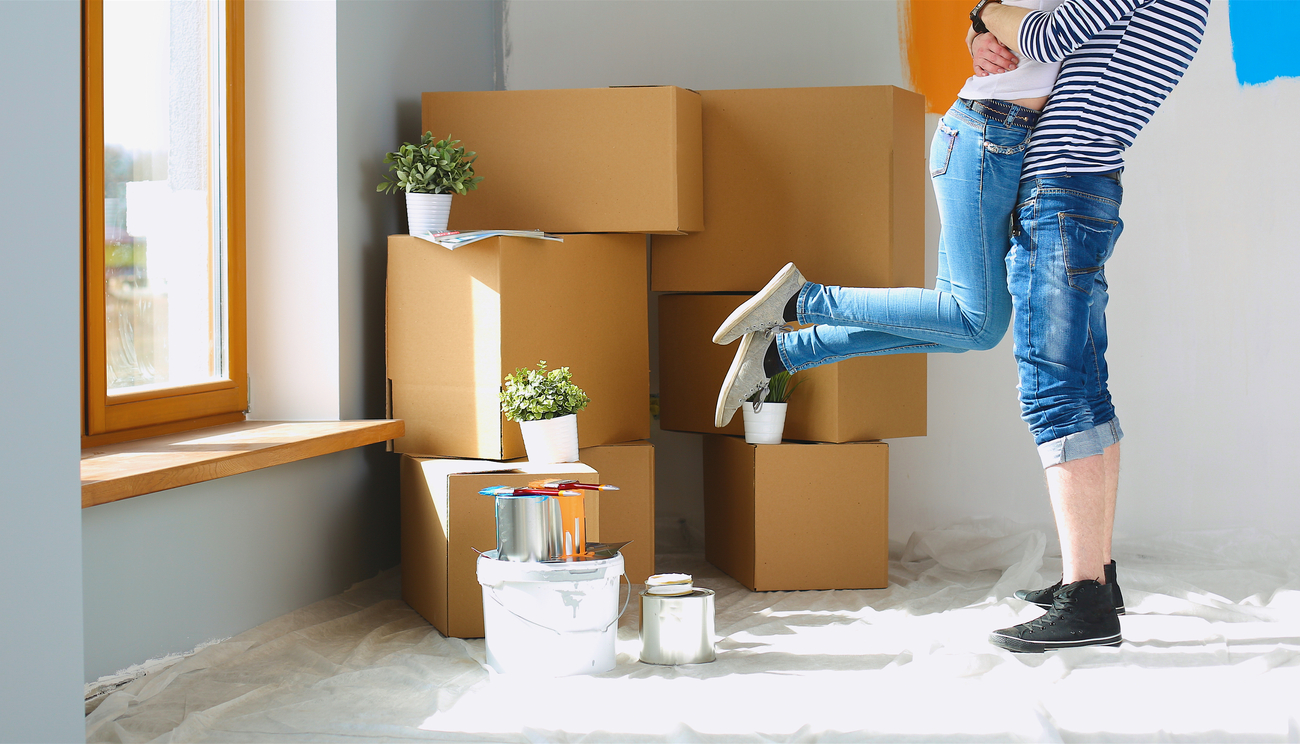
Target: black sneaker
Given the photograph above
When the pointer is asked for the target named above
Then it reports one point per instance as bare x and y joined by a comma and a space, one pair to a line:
1081, 615
1043, 597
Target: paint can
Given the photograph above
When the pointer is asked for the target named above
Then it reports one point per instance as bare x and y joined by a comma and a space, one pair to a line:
677, 628
568, 524
523, 527
550, 619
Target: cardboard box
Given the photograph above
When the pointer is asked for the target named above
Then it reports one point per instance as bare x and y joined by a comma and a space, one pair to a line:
445, 518
832, 179
855, 400
584, 160
797, 516
629, 513
460, 321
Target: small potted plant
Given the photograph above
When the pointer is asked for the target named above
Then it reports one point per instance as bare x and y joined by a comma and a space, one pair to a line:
430, 173
765, 418
545, 403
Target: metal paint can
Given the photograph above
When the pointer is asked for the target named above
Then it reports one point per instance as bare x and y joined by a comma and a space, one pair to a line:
568, 524
523, 527
677, 629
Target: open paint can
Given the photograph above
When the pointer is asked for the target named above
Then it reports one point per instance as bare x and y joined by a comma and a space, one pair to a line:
568, 524
523, 527
677, 628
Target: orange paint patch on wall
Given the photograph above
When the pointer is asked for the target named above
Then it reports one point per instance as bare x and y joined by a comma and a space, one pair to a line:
932, 34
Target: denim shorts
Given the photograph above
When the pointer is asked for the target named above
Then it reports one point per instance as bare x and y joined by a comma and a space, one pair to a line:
1064, 231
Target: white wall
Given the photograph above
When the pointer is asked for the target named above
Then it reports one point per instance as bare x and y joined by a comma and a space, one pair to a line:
1202, 347
291, 107
40, 525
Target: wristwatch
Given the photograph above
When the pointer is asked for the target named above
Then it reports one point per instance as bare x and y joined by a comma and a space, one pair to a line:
976, 22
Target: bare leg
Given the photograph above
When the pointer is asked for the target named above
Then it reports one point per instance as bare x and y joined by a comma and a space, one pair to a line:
1110, 461
1079, 502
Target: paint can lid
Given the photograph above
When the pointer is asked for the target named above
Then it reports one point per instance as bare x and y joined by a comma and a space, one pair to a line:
671, 584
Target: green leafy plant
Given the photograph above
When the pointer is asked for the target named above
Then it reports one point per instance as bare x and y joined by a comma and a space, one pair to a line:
779, 388
534, 394
440, 167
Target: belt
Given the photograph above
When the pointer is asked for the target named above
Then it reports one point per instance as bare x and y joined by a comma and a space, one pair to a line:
1004, 111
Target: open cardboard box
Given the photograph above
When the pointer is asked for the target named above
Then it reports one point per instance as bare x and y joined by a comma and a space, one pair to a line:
581, 160
832, 179
797, 516
445, 521
854, 400
460, 321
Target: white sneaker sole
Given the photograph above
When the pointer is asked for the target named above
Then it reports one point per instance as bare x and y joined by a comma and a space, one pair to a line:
722, 416
726, 332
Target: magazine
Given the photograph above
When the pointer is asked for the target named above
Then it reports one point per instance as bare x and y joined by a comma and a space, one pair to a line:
452, 239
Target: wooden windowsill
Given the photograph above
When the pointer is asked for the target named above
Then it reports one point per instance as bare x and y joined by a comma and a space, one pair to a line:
119, 471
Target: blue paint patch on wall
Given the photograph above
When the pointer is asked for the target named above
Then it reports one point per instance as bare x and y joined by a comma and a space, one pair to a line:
1264, 46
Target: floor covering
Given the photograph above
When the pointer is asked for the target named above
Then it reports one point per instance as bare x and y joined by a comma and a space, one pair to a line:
1211, 653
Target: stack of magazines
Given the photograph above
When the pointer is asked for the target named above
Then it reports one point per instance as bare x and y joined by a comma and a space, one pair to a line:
453, 239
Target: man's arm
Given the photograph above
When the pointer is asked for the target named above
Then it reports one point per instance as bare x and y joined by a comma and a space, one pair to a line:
1049, 37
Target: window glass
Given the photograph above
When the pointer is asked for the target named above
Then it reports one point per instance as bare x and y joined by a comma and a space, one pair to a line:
164, 227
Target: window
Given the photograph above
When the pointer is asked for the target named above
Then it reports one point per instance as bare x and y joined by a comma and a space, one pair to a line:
163, 217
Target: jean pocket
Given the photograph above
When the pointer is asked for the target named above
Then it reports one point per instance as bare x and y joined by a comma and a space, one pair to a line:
1005, 140
1086, 244
941, 149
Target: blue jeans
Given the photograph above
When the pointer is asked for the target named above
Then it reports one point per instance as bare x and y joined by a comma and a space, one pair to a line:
1065, 231
975, 167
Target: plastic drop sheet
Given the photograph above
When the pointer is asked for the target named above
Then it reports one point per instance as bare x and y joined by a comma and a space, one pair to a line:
1211, 653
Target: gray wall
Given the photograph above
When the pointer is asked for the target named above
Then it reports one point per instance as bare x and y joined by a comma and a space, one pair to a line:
168, 571
389, 53
40, 495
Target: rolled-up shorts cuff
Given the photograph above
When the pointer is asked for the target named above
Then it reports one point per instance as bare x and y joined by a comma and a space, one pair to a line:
1080, 444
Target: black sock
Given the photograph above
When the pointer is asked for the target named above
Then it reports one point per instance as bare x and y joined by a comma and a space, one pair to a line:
791, 313
772, 360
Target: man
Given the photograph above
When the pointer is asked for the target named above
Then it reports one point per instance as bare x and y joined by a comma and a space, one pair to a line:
1120, 60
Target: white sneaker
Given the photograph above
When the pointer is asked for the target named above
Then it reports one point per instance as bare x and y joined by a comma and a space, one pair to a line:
765, 309
746, 375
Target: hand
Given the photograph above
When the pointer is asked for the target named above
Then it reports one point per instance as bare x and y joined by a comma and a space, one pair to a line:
990, 57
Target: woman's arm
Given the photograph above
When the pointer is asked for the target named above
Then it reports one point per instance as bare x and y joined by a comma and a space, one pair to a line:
1049, 37
988, 55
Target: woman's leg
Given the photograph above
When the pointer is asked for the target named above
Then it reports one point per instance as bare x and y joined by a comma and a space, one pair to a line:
975, 167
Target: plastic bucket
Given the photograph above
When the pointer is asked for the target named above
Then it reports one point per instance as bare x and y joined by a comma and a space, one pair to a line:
550, 619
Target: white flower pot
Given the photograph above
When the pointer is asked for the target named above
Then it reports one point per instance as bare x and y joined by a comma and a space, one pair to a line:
427, 212
551, 440
765, 426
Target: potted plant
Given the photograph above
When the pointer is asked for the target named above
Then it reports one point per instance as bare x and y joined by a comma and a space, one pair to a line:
430, 173
765, 418
545, 403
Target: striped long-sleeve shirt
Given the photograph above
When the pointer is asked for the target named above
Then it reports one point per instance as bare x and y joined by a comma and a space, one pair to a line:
1120, 60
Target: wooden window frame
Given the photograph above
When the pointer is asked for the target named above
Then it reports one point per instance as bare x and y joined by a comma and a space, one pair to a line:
118, 417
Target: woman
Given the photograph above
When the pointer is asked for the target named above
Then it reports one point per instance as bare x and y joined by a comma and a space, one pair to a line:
975, 162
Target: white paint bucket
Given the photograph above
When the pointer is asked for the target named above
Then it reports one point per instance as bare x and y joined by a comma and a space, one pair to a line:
550, 619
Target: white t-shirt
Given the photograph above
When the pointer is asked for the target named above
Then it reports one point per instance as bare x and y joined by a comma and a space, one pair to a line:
1030, 79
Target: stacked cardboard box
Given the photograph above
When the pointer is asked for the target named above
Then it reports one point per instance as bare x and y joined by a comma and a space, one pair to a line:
831, 179
460, 321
